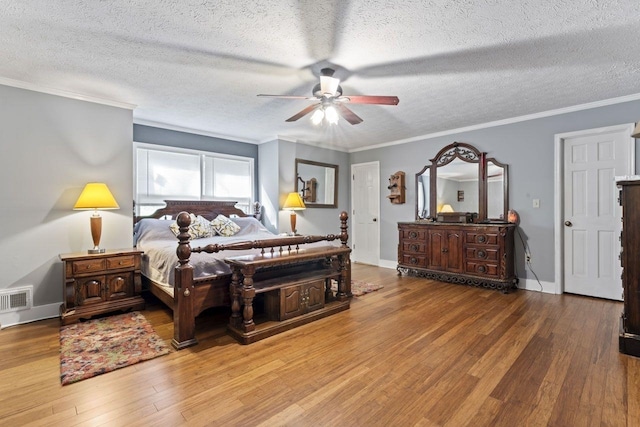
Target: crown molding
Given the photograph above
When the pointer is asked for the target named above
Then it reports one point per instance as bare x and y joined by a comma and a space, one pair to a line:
65, 94
176, 128
549, 113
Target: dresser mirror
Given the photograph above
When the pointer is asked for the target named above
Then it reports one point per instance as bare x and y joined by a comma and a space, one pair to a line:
497, 190
461, 179
317, 183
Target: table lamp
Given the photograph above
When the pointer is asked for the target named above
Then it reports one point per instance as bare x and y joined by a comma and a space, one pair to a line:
446, 208
293, 203
96, 195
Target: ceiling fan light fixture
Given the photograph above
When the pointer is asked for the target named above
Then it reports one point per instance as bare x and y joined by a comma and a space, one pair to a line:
317, 116
329, 85
331, 114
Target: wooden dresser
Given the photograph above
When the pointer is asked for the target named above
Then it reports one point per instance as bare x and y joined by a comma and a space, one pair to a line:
472, 254
629, 341
100, 283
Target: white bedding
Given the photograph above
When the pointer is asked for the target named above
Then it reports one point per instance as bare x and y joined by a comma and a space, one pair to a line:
155, 238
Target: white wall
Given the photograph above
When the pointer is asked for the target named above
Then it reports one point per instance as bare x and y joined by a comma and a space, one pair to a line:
50, 147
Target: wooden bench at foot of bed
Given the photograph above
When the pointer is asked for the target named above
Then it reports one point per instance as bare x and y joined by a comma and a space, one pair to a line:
293, 297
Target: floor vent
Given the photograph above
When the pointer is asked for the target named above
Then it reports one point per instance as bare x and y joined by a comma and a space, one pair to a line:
15, 299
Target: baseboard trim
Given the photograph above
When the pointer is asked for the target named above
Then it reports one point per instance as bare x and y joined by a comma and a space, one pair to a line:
387, 263
38, 312
534, 285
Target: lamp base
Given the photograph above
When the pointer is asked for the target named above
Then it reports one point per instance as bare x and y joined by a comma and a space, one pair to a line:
96, 251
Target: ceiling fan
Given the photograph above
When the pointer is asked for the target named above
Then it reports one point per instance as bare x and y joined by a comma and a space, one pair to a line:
331, 105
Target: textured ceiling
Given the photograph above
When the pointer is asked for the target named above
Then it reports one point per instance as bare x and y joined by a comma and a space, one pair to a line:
199, 64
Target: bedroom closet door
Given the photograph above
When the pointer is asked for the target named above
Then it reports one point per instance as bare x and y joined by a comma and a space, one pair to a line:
591, 210
365, 211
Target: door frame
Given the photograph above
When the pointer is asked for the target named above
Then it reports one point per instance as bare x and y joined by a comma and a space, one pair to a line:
559, 140
353, 228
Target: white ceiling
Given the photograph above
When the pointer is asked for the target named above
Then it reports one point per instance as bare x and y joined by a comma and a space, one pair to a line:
199, 64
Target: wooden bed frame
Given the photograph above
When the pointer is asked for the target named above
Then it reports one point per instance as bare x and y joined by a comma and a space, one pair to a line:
192, 295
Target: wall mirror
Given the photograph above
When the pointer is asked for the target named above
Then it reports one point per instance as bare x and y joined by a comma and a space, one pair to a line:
461, 179
317, 183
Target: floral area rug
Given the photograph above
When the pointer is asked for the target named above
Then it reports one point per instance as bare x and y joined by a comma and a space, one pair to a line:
103, 345
358, 287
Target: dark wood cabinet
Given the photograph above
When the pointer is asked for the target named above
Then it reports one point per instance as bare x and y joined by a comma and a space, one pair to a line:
296, 300
474, 254
444, 249
629, 341
100, 283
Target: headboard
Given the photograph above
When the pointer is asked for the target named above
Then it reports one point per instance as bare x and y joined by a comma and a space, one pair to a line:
207, 208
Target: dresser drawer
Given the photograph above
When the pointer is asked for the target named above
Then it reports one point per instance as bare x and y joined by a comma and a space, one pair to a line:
413, 260
412, 234
88, 266
481, 238
482, 268
483, 253
415, 247
124, 261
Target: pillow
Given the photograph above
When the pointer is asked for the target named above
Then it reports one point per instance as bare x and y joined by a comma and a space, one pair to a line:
249, 225
224, 226
198, 228
152, 229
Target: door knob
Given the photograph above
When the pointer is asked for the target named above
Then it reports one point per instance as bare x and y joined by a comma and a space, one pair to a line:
568, 223
375, 219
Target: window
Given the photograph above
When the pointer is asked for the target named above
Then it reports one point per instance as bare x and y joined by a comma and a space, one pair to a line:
174, 173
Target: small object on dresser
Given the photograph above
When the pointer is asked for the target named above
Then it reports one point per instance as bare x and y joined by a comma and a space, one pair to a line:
459, 217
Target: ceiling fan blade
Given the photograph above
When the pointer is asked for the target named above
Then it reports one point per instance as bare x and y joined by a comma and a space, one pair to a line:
364, 99
348, 115
302, 113
288, 96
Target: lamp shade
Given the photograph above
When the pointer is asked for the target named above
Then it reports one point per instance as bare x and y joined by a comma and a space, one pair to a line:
96, 195
446, 208
636, 131
294, 202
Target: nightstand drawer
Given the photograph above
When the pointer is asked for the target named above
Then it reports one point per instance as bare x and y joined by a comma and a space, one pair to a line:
121, 262
88, 266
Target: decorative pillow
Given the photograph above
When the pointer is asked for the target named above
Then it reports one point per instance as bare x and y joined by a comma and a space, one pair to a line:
198, 228
224, 226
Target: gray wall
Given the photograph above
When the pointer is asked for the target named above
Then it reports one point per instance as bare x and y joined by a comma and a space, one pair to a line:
311, 220
50, 147
269, 191
527, 147
316, 220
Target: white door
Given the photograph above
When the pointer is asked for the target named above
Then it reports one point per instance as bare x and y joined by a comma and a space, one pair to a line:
365, 196
592, 160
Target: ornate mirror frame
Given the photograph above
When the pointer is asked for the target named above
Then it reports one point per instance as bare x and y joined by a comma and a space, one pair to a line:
467, 153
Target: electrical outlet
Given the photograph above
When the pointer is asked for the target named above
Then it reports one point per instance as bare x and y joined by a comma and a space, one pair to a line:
528, 257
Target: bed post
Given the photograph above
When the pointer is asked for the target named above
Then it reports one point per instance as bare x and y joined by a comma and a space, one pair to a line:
344, 237
183, 316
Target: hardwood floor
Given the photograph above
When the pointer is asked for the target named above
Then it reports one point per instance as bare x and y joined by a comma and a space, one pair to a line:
416, 352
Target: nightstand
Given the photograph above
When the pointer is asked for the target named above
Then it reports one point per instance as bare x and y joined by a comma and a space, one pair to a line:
100, 283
